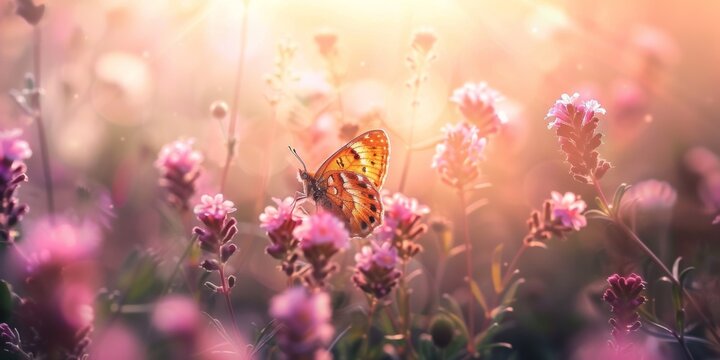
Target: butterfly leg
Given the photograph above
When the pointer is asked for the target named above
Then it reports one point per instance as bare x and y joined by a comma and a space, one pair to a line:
299, 197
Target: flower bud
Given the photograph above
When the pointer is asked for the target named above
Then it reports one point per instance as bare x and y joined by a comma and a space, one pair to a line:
227, 251
231, 281
442, 332
211, 286
219, 110
210, 265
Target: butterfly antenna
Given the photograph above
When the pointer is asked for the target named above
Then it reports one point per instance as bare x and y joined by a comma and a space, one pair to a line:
294, 152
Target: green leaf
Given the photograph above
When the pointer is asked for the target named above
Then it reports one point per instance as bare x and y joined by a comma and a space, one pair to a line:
596, 214
477, 293
509, 296
458, 321
602, 206
619, 193
496, 268
676, 267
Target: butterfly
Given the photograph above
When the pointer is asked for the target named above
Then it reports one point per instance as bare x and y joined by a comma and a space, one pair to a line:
348, 183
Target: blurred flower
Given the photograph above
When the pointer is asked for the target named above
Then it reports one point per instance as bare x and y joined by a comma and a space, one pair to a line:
219, 110
401, 223
326, 41
176, 315
32, 13
283, 73
219, 228
424, 40
117, 343
575, 124
280, 223
568, 209
13, 153
321, 236
624, 298
476, 102
649, 195
375, 271
305, 320
458, 156
179, 166
60, 241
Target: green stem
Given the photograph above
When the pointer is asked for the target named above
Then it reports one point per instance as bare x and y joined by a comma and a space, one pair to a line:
513, 264
176, 269
366, 336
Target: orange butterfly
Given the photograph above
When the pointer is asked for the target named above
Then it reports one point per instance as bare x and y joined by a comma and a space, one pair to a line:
348, 183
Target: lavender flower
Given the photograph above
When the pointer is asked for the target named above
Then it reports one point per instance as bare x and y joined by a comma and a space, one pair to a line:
219, 228
13, 153
375, 271
624, 299
560, 215
401, 224
575, 124
476, 102
458, 156
179, 166
321, 236
280, 222
305, 320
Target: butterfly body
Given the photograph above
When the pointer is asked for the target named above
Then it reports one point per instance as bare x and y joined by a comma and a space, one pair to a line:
348, 182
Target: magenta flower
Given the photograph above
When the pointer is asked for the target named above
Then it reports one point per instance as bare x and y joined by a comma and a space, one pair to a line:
575, 124
321, 236
280, 223
179, 166
476, 102
12, 147
320, 230
305, 319
458, 156
569, 208
375, 271
624, 299
219, 227
176, 315
60, 241
13, 153
401, 223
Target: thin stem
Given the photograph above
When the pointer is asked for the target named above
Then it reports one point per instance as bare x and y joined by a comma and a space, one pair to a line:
513, 264
366, 336
409, 150
232, 123
226, 294
42, 134
405, 310
655, 259
468, 265
267, 165
184, 256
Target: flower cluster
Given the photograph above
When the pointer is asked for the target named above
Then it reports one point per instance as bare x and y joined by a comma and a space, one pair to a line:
179, 166
575, 124
458, 156
476, 102
401, 224
279, 223
13, 153
305, 323
560, 215
375, 271
321, 236
215, 236
624, 299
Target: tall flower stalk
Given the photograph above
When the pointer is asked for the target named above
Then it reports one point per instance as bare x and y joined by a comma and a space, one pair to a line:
13, 153
575, 124
418, 61
232, 123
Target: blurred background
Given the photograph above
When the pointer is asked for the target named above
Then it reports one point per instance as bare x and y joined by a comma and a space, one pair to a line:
123, 78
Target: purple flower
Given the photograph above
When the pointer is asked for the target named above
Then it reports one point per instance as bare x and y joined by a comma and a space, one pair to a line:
179, 166
275, 217
280, 223
305, 323
60, 241
13, 153
568, 209
219, 227
476, 102
321, 236
375, 271
401, 223
575, 125
458, 156
624, 299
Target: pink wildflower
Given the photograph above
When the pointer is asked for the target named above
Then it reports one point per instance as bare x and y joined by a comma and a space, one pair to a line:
624, 298
12, 147
179, 166
321, 236
569, 208
401, 223
280, 223
476, 102
375, 272
305, 319
650, 195
219, 227
457, 158
176, 315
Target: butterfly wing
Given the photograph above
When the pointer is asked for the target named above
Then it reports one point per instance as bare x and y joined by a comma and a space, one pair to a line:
353, 198
367, 155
